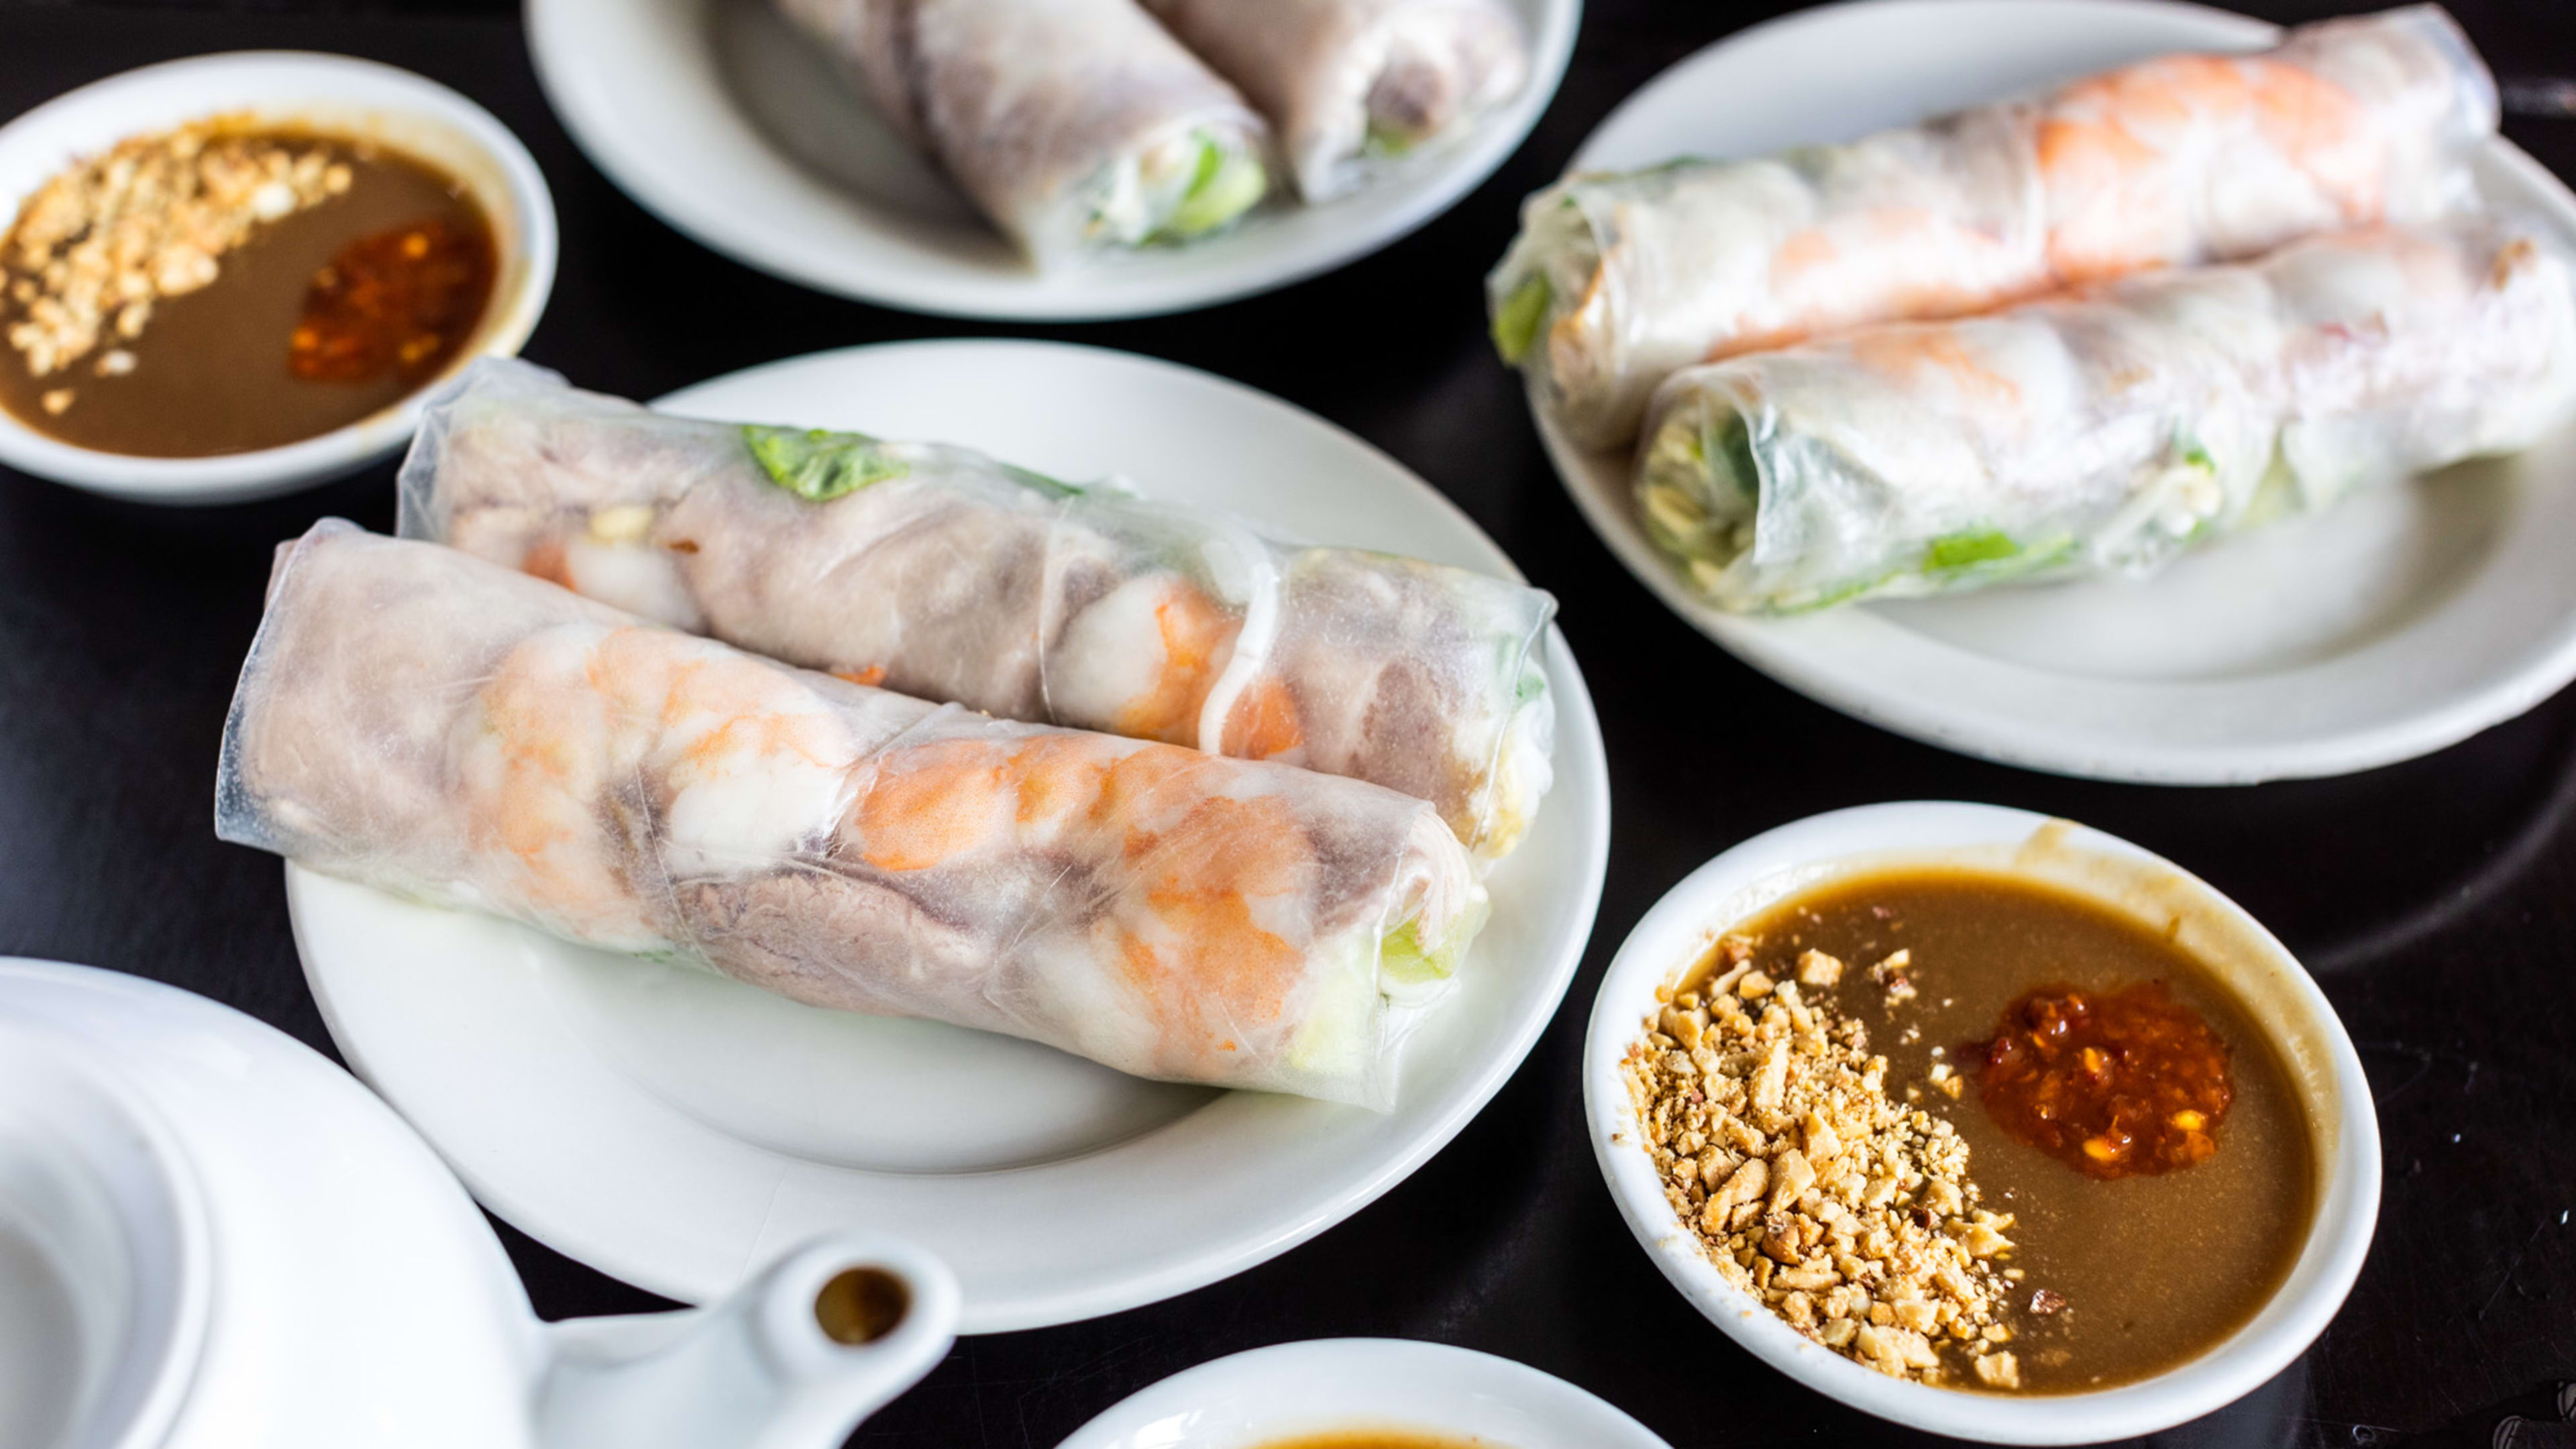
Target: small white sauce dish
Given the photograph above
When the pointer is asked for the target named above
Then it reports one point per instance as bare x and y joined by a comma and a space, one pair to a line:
334, 95
1322, 1386
2276, 992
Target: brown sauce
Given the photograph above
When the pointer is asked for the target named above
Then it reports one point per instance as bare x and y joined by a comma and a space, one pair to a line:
1377, 1440
317, 319
2135, 1273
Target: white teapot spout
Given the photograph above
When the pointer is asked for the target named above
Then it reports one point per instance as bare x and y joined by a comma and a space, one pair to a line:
794, 1359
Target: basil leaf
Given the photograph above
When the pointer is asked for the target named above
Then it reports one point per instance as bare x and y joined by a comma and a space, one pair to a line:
819, 465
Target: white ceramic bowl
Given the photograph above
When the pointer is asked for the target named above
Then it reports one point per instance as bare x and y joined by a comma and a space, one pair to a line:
1327, 1385
333, 94
2275, 991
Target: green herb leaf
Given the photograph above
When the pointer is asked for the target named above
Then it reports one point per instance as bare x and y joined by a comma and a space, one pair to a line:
819, 465
1965, 549
1516, 322
1224, 184
1402, 957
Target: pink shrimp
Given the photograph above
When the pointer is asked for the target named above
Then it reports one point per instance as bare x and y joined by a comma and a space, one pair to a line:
2126, 157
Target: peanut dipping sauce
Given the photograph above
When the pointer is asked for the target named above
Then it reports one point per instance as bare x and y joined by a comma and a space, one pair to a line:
220, 289
1377, 1440
2126, 1269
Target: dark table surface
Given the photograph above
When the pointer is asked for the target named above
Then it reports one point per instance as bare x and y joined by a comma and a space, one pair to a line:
2435, 900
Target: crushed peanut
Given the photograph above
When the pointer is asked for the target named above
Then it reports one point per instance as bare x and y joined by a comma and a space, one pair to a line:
99, 244
1847, 1213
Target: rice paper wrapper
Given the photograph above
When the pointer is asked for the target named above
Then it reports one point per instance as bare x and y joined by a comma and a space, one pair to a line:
426, 723
1354, 87
1074, 125
2110, 430
943, 573
1617, 280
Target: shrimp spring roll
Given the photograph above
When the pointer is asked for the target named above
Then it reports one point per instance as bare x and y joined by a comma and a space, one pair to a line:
942, 573
1350, 84
1618, 280
421, 721
2110, 429
1074, 125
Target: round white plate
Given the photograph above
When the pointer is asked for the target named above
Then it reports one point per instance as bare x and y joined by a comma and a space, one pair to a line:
676, 1129
1329, 1384
722, 120
2402, 622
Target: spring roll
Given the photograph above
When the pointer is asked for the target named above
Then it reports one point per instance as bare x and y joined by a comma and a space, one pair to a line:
1618, 280
1353, 84
940, 572
421, 721
1076, 126
2107, 430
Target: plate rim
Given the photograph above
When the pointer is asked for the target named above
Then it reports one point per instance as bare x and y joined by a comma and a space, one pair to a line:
1174, 1392
1773, 648
569, 91
1583, 771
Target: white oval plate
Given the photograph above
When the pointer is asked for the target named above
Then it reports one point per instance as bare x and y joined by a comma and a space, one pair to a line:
1341, 1384
2276, 991
727, 124
337, 95
2400, 623
676, 1129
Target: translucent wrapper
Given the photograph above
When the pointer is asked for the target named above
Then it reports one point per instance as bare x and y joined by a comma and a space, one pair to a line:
421, 721
1619, 279
1352, 84
943, 573
2110, 429
1075, 125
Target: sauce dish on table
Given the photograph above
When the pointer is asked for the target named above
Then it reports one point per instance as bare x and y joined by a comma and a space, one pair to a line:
441, 251
1362, 1393
2228, 1194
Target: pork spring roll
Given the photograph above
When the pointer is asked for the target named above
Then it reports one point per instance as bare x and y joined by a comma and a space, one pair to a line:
942, 573
421, 721
1352, 84
1619, 279
2108, 430
1074, 125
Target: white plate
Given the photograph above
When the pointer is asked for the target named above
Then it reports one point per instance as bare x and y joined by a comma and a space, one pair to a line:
674, 1129
337, 95
2277, 993
1328, 1384
2395, 625
731, 127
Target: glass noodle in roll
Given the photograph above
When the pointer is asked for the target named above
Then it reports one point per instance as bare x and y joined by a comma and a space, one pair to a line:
944, 573
2110, 429
419, 720
1619, 279
1351, 84
1074, 125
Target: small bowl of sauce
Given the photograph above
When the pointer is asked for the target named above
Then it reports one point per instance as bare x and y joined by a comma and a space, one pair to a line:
236, 275
1363, 1393
1984, 1123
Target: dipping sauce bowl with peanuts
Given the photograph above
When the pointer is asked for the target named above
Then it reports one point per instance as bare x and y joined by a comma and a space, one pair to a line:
1983, 1122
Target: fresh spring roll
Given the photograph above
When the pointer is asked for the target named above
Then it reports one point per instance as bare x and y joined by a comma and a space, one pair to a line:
1619, 279
942, 573
1075, 125
424, 722
2110, 429
1352, 84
